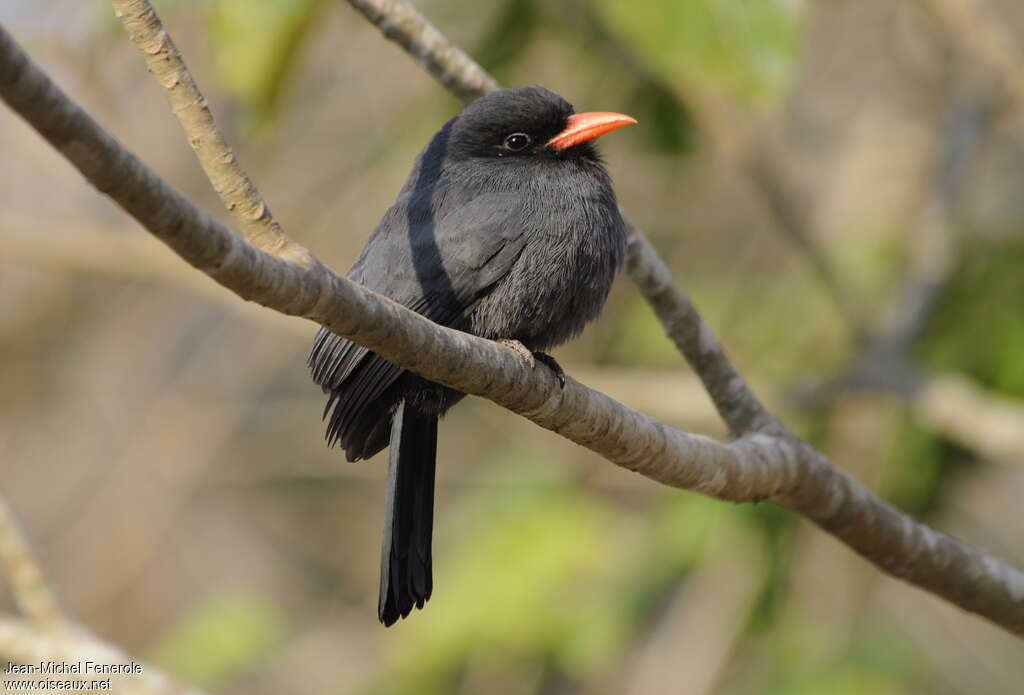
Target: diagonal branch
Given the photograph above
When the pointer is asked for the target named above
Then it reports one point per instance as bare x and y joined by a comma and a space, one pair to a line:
745, 146
757, 466
188, 105
452, 67
734, 399
403, 24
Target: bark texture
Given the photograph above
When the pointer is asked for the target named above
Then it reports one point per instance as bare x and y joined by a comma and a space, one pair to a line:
765, 462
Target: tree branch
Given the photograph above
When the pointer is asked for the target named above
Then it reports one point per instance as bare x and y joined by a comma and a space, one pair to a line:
990, 424
758, 466
733, 399
188, 105
31, 593
403, 24
748, 149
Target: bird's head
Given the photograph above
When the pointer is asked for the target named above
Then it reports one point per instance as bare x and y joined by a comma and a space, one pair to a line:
527, 122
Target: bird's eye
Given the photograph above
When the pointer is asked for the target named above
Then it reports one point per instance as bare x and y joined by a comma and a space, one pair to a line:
517, 141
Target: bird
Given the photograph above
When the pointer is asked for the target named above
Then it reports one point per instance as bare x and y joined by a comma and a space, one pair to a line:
507, 228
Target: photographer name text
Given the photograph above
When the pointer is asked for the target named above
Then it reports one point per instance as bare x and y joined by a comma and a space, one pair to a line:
63, 668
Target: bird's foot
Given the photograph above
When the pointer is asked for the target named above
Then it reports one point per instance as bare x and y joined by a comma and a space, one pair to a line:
530, 359
550, 361
524, 354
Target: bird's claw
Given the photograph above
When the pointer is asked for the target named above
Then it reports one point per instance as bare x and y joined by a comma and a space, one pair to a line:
530, 359
550, 361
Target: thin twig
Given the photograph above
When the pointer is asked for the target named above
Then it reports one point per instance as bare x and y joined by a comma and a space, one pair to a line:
222, 168
403, 24
987, 423
733, 398
758, 466
29, 587
748, 150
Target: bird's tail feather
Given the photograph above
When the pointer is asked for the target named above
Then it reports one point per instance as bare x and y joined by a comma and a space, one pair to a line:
405, 566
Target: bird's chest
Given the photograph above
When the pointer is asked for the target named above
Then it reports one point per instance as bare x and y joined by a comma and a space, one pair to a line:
557, 285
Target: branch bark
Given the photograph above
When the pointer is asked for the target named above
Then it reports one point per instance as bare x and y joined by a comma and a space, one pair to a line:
454, 69
766, 463
403, 24
746, 145
188, 105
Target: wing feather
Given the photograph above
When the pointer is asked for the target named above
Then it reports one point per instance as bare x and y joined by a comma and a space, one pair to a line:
477, 243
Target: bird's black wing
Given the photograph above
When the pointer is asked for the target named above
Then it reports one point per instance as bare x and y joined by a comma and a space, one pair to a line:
438, 268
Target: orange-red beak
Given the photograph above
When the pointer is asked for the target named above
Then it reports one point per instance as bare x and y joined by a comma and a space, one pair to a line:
581, 127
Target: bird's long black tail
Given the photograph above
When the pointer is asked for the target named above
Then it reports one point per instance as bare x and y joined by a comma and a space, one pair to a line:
405, 565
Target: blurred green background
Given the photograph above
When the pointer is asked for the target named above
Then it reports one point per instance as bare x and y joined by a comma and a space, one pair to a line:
837, 183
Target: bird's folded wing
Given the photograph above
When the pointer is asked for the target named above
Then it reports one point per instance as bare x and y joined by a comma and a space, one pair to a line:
437, 268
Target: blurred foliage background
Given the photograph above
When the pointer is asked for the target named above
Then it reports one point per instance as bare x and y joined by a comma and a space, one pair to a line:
837, 183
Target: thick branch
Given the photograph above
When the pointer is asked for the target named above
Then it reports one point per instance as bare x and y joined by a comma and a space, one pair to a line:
188, 105
756, 466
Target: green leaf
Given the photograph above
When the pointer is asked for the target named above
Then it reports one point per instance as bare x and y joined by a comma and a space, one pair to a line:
745, 46
978, 327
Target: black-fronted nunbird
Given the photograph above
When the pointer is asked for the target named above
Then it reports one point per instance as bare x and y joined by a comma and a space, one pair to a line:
507, 228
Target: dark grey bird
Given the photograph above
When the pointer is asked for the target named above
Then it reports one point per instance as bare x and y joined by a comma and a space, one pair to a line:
507, 228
